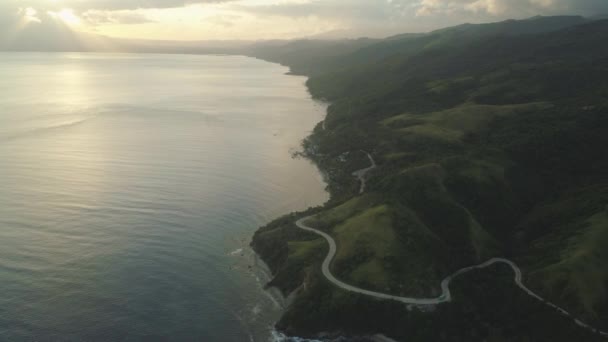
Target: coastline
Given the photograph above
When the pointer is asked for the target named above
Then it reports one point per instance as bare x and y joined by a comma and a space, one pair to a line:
266, 261
343, 181
265, 273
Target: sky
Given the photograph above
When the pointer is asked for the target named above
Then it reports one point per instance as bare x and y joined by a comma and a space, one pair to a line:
263, 19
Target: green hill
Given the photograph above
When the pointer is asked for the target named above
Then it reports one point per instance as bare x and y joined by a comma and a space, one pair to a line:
490, 141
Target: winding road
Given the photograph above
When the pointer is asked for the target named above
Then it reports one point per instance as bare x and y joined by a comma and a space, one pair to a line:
446, 295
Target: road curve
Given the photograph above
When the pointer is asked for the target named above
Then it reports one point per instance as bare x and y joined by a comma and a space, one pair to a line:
446, 295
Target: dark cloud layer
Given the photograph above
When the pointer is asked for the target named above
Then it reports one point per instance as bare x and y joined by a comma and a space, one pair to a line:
356, 17
510, 8
111, 5
383, 9
349, 8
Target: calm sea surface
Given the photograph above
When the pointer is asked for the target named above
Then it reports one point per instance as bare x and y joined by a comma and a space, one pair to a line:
130, 186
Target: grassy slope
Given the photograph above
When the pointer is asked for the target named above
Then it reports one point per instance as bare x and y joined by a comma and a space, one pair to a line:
569, 261
581, 271
495, 148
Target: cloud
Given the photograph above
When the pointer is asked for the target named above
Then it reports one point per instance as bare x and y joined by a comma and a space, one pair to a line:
93, 12
26, 28
224, 20
510, 8
366, 17
99, 17
351, 10
235, 19
107, 5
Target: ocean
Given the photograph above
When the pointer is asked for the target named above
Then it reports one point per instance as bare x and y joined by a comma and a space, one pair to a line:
130, 187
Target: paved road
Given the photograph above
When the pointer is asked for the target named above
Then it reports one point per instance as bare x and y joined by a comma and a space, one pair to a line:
446, 295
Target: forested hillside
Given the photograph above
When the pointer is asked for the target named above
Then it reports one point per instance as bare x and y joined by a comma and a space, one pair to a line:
490, 141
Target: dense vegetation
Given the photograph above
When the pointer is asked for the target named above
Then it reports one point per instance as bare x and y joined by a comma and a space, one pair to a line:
491, 141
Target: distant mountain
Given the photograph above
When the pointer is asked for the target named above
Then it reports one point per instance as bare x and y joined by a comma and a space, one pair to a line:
316, 57
599, 17
308, 56
534, 25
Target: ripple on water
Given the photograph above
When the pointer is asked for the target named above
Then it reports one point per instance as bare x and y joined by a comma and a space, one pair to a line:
116, 224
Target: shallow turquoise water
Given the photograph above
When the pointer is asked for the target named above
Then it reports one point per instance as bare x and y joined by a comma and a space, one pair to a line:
128, 184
